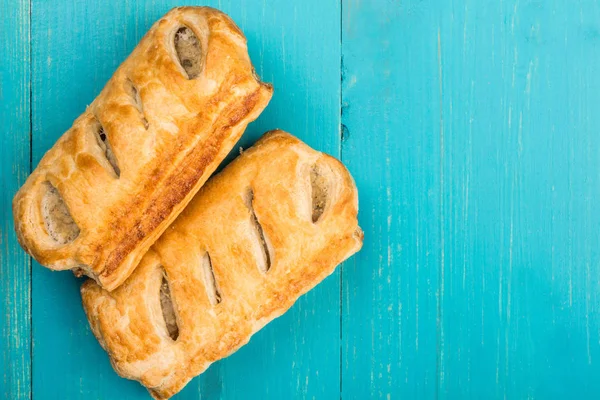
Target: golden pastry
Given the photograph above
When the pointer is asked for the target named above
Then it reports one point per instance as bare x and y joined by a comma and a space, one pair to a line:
133, 160
257, 236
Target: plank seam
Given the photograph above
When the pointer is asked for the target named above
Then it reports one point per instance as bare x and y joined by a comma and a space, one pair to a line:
341, 154
29, 259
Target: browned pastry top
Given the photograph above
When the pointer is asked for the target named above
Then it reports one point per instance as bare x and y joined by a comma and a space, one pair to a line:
132, 161
272, 225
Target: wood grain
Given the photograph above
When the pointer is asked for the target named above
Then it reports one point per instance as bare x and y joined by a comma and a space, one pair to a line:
15, 267
487, 168
390, 94
519, 298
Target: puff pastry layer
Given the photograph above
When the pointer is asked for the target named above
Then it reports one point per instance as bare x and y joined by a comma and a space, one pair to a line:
132, 161
272, 225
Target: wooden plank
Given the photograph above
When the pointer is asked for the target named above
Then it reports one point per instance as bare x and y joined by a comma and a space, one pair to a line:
391, 144
520, 90
75, 48
294, 46
15, 266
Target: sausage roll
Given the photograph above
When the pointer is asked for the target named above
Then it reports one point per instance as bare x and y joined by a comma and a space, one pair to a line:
132, 161
257, 236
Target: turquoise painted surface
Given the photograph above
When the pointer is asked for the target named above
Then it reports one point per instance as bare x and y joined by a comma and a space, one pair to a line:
470, 128
15, 281
520, 165
391, 145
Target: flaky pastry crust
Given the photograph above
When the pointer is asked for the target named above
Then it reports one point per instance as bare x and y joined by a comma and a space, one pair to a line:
131, 162
257, 236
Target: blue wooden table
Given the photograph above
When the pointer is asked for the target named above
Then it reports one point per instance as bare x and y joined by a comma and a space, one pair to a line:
472, 129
